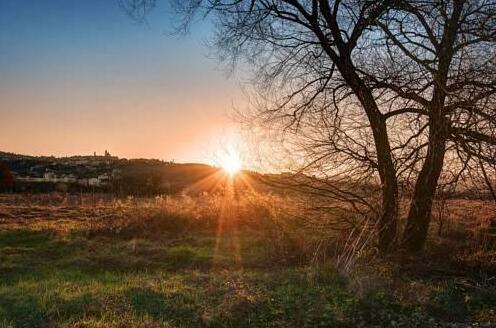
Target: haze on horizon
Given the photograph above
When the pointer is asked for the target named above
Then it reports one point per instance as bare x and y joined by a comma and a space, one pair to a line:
82, 76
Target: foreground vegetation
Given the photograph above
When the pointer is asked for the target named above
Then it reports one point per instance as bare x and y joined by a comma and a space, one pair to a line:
216, 261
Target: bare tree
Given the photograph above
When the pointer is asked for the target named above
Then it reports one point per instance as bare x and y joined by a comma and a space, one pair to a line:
384, 87
487, 180
307, 49
449, 46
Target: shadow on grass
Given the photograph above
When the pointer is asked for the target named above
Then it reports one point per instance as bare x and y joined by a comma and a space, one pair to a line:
176, 307
27, 252
48, 279
21, 310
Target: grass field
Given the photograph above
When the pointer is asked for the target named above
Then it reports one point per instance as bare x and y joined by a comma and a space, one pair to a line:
96, 261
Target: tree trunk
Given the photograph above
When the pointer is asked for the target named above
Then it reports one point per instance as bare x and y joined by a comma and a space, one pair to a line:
419, 215
389, 217
389, 184
388, 222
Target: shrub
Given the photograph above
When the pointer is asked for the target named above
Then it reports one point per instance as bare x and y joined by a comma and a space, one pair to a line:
6, 178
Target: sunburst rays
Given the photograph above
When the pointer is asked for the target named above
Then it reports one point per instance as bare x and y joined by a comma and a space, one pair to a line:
230, 189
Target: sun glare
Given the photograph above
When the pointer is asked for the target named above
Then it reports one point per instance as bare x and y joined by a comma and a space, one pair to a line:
230, 162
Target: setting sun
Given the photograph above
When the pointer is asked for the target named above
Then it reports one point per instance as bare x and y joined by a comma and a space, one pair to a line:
248, 163
230, 162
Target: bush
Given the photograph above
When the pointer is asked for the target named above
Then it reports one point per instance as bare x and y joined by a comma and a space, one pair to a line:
6, 178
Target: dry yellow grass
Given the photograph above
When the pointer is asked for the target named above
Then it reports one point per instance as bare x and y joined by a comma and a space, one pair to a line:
246, 261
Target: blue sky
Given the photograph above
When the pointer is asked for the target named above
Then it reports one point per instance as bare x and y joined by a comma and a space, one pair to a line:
79, 76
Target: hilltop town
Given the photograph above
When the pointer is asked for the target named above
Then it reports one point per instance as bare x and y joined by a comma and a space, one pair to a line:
101, 173
94, 170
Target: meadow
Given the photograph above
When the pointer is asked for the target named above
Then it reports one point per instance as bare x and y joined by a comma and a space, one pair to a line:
214, 260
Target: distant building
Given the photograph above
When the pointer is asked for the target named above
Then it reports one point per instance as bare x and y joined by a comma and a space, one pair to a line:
93, 182
69, 178
50, 177
82, 182
104, 179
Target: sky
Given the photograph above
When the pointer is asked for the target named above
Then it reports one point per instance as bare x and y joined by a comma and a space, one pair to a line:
80, 76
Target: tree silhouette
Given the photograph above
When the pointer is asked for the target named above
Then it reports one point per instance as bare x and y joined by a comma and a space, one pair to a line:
386, 89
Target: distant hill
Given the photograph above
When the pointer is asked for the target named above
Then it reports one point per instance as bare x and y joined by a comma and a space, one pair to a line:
108, 173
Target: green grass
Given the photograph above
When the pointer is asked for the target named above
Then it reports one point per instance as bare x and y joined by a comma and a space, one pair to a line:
53, 280
163, 263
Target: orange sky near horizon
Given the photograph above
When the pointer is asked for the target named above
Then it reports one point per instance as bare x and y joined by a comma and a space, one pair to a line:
75, 80
182, 124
